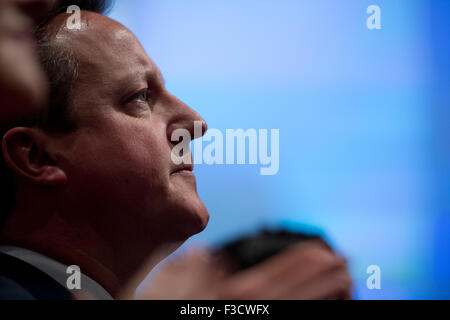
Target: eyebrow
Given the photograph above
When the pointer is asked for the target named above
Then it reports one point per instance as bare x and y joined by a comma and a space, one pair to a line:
131, 82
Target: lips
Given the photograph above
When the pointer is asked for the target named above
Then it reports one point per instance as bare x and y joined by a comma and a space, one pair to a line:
184, 169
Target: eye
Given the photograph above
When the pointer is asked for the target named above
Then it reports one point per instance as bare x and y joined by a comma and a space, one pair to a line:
143, 96
139, 104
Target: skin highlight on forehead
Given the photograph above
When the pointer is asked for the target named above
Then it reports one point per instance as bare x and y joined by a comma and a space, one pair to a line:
110, 58
100, 39
97, 32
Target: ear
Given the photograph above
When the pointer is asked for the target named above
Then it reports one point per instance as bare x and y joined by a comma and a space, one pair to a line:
24, 151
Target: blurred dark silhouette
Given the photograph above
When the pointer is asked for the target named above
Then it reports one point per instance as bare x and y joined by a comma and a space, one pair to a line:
251, 250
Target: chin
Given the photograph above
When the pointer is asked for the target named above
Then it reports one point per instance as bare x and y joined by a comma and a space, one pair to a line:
192, 218
204, 219
200, 218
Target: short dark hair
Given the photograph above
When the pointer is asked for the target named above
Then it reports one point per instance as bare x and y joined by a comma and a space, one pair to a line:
61, 69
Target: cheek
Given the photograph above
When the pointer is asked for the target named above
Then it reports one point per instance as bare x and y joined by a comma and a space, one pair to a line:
127, 161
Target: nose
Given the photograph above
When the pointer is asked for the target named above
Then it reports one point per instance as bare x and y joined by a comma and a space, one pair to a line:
183, 117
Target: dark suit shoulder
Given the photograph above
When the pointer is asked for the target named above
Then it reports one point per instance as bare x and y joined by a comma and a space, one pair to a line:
21, 280
11, 290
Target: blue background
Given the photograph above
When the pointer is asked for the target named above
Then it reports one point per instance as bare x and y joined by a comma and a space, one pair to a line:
363, 118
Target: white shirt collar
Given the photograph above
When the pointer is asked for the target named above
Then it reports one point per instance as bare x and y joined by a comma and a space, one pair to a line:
58, 272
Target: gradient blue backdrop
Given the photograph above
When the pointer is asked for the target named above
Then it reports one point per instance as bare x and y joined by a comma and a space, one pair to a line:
363, 118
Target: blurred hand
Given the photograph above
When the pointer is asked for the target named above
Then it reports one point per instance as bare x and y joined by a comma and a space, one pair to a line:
23, 84
308, 271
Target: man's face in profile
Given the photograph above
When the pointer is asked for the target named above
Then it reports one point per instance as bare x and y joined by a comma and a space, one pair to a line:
118, 159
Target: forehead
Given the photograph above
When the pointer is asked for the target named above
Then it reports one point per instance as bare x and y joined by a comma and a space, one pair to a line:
106, 51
